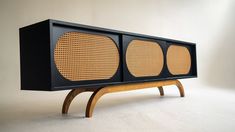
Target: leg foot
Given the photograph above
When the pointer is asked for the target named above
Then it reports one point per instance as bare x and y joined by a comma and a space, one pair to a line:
69, 98
93, 100
180, 87
160, 88
99, 92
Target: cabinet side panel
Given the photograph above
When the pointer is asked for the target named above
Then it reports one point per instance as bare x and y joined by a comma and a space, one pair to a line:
35, 57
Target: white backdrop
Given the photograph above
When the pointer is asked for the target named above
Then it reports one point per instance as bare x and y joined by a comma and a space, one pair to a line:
208, 23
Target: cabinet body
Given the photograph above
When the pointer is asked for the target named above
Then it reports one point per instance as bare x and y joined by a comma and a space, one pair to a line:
58, 55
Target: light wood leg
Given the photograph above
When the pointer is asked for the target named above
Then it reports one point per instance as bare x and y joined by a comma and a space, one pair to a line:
127, 87
93, 100
160, 88
98, 93
69, 98
180, 87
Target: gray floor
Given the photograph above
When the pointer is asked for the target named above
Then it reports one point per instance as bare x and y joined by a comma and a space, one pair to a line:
204, 109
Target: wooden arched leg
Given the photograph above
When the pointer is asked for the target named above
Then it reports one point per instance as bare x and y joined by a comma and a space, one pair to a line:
160, 88
99, 92
180, 87
71, 95
93, 100
127, 87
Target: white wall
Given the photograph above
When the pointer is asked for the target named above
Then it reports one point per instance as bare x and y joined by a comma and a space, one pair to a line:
208, 23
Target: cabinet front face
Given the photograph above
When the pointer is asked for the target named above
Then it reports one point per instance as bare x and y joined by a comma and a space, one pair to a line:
84, 57
57, 55
181, 60
178, 60
150, 59
143, 58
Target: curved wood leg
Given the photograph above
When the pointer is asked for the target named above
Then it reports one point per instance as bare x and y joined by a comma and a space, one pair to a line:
126, 87
116, 88
93, 100
69, 98
180, 87
160, 88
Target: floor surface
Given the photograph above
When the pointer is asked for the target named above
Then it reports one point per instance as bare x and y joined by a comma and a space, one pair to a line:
204, 109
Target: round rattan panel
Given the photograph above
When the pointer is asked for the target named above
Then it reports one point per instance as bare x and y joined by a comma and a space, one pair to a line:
82, 56
144, 58
178, 60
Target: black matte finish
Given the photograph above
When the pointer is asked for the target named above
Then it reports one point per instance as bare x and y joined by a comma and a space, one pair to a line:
35, 57
38, 70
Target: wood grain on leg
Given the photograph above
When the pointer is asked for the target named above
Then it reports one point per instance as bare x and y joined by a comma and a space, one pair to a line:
99, 92
127, 87
93, 100
160, 88
69, 98
180, 87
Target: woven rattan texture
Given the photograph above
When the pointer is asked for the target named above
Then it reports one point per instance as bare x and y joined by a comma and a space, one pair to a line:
81, 56
178, 60
144, 58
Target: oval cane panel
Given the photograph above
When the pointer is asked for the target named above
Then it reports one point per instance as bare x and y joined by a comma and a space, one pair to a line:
144, 58
178, 60
82, 56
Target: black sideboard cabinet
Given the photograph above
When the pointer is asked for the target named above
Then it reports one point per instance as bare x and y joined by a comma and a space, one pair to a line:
56, 55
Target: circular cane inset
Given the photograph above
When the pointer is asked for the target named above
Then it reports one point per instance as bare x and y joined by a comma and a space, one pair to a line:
178, 60
144, 58
82, 56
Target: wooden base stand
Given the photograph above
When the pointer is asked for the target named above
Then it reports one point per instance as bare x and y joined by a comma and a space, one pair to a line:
116, 88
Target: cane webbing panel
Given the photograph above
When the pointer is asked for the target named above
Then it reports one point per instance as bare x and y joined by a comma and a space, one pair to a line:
82, 56
178, 60
144, 58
